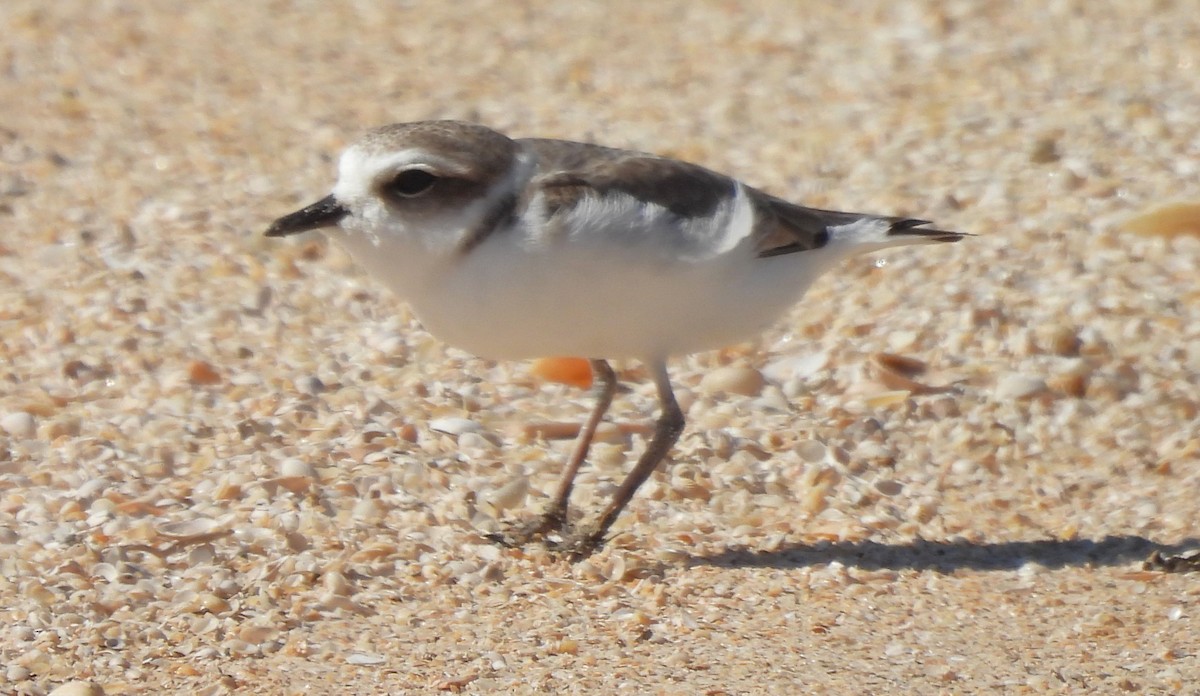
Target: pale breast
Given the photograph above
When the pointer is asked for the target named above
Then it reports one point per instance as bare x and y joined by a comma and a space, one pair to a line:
610, 299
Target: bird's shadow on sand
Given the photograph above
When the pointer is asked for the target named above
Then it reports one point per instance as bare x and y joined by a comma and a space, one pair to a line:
949, 556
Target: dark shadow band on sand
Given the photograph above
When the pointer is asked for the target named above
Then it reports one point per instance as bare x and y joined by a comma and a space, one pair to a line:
949, 556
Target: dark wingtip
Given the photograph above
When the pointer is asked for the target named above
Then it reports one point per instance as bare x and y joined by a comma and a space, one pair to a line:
912, 227
326, 212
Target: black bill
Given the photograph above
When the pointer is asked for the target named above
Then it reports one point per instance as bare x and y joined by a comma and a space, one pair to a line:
326, 212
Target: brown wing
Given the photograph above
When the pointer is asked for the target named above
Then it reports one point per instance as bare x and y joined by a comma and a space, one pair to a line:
571, 170
787, 228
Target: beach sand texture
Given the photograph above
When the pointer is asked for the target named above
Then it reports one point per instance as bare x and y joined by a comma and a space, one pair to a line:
230, 464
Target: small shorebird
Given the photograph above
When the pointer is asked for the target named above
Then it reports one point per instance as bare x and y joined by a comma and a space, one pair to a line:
523, 248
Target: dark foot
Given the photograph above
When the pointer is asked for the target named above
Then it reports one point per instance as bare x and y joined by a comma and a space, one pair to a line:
519, 535
581, 543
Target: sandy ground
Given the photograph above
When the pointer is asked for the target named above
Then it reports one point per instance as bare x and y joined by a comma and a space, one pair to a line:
236, 465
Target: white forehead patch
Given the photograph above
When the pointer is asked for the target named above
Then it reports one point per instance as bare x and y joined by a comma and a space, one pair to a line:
357, 170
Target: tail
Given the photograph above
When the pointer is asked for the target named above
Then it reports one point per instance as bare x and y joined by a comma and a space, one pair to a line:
862, 233
791, 228
909, 227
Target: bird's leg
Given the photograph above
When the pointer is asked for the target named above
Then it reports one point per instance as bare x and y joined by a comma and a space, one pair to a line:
555, 514
666, 432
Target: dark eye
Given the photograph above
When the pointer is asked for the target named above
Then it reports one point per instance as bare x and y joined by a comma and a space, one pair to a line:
409, 183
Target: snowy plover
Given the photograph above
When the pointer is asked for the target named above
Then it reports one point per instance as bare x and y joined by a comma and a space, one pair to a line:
525, 248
